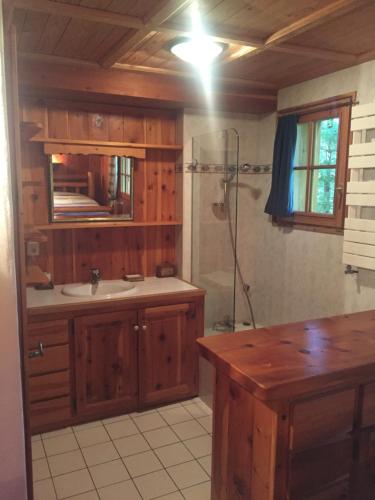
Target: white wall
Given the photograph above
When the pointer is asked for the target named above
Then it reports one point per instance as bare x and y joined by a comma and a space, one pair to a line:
12, 454
299, 274
294, 274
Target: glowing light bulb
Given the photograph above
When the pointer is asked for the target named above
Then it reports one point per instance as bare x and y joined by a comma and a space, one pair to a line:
198, 50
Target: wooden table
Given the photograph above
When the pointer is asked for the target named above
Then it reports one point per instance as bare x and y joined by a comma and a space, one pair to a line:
294, 410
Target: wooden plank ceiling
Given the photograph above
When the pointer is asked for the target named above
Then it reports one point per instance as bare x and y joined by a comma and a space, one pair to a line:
270, 43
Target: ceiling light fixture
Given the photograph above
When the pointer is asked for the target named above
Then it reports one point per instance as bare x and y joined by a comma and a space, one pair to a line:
198, 50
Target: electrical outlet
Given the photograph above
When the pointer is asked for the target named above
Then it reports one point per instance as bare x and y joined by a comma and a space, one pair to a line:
33, 248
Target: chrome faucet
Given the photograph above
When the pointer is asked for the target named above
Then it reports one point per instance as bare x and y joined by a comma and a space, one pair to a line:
95, 276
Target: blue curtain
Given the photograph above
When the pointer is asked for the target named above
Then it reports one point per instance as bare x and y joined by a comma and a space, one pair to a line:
280, 200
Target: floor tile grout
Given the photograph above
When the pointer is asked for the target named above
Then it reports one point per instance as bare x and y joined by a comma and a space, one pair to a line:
133, 418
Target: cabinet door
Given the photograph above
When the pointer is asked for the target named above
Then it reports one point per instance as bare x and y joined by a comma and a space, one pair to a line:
106, 362
168, 364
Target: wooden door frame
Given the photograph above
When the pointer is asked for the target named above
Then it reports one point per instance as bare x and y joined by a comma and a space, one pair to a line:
14, 144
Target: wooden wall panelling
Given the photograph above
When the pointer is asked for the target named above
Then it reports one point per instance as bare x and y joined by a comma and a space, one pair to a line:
58, 123
45, 259
68, 254
134, 239
160, 247
34, 111
134, 127
63, 251
168, 244
116, 128
78, 124
116, 251
99, 126
35, 184
168, 186
140, 191
153, 180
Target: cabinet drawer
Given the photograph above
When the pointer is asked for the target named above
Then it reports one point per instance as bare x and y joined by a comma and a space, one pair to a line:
48, 333
54, 359
49, 412
49, 386
325, 465
368, 415
322, 420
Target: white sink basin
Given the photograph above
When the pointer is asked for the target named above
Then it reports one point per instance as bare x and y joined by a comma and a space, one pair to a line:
102, 290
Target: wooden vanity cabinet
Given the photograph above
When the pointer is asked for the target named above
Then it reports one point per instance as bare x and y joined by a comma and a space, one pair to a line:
110, 360
106, 362
49, 372
167, 353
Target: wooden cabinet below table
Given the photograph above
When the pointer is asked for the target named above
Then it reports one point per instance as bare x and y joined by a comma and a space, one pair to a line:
93, 365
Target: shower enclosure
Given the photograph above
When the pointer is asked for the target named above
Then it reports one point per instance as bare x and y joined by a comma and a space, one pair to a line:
215, 266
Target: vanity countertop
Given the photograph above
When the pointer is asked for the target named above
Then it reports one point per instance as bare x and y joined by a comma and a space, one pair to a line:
54, 300
286, 361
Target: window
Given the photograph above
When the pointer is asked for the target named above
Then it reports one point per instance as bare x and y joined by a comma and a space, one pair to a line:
320, 169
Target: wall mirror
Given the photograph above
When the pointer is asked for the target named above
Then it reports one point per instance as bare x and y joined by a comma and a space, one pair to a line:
91, 187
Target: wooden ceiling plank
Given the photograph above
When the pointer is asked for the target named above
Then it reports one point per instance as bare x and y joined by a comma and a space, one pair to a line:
277, 40
321, 16
168, 10
81, 12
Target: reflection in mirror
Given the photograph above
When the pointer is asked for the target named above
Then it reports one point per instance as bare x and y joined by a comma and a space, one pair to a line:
91, 187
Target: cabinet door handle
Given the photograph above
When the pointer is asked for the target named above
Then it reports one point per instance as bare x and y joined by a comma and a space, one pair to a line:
144, 327
38, 353
136, 328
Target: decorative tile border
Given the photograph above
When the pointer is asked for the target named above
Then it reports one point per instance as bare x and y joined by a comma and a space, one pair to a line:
213, 168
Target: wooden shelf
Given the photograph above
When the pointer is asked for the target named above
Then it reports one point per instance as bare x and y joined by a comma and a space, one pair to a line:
29, 129
167, 147
98, 225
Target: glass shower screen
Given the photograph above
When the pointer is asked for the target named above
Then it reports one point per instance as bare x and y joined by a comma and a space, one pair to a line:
214, 170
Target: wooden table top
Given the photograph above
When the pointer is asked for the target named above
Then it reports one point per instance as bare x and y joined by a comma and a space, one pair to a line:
286, 361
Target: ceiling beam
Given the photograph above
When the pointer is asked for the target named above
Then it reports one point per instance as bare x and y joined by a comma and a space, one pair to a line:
366, 56
168, 10
321, 16
218, 81
80, 12
132, 88
181, 74
329, 55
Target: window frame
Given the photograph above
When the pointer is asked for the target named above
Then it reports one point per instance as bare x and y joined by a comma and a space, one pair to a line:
311, 220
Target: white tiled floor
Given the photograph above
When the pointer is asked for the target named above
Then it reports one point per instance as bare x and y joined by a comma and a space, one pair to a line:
162, 454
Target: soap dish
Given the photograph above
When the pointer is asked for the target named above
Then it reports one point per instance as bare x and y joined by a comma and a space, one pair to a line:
134, 277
